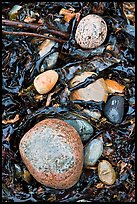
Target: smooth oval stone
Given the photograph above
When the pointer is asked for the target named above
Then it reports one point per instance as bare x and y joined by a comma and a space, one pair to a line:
114, 109
93, 152
45, 81
53, 153
84, 129
106, 172
91, 31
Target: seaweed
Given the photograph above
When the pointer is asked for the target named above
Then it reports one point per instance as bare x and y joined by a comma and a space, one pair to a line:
114, 59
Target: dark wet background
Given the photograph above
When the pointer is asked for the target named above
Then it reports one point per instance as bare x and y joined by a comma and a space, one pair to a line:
21, 109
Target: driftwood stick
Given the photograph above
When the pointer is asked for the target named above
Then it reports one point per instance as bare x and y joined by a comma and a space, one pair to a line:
33, 35
34, 26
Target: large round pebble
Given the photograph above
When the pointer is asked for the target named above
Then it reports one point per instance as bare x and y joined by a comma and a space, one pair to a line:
93, 152
106, 172
114, 109
45, 81
53, 153
91, 31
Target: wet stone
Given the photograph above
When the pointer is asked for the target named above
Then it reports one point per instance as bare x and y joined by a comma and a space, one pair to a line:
106, 172
45, 81
93, 152
91, 31
96, 91
45, 48
84, 129
114, 109
53, 153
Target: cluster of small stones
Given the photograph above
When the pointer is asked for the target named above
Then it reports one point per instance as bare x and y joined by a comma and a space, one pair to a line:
53, 149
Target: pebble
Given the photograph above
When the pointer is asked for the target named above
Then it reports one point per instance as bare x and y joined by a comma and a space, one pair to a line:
91, 31
45, 81
106, 172
96, 114
53, 153
93, 152
114, 86
96, 91
14, 12
114, 109
69, 14
46, 47
84, 129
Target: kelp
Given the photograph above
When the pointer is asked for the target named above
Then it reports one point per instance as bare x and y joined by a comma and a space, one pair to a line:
115, 59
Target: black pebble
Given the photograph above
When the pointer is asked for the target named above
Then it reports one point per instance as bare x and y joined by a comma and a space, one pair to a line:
114, 109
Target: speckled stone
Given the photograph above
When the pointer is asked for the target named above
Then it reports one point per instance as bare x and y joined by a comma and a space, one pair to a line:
91, 31
53, 153
106, 172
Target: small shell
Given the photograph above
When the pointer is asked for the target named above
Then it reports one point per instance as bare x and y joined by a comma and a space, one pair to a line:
114, 86
106, 172
91, 31
45, 81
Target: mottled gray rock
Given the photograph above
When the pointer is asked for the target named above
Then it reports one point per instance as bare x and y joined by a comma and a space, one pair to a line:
93, 152
53, 153
84, 129
114, 109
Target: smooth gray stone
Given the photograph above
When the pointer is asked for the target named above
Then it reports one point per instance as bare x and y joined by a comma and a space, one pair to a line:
84, 129
114, 109
93, 152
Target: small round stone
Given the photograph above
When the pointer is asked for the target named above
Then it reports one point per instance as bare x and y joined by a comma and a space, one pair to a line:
91, 31
53, 153
114, 109
106, 172
45, 81
93, 152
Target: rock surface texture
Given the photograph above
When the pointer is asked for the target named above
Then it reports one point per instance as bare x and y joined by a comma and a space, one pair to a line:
91, 31
53, 153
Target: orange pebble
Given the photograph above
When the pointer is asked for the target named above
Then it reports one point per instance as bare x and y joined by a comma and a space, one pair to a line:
114, 86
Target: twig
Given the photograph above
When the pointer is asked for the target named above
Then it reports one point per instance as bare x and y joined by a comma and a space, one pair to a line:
34, 26
33, 35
